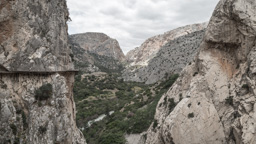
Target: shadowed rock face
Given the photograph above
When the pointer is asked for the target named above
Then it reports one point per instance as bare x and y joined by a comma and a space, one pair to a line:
99, 44
215, 95
36, 107
33, 35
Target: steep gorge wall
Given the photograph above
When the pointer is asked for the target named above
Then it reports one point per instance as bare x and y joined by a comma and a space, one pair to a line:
34, 52
214, 99
33, 35
23, 117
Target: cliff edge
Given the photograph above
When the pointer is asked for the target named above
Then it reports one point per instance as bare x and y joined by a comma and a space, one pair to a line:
213, 101
36, 74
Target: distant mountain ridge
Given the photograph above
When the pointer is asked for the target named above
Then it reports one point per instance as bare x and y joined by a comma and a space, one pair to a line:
99, 43
93, 52
163, 55
141, 55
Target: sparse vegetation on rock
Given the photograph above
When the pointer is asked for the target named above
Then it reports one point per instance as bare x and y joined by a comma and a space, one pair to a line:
44, 92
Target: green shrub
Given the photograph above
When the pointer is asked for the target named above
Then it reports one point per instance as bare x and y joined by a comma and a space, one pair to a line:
14, 128
112, 138
16, 140
172, 104
42, 129
229, 100
190, 115
155, 124
196, 73
245, 86
4, 86
24, 119
44, 92
180, 97
167, 84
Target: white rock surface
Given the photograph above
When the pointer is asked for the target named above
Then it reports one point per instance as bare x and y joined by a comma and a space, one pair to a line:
218, 88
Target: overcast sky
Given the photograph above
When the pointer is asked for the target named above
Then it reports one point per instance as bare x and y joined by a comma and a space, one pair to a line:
131, 22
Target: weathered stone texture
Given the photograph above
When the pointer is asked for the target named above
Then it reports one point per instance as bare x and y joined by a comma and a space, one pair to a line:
218, 88
170, 59
99, 43
20, 109
148, 50
33, 35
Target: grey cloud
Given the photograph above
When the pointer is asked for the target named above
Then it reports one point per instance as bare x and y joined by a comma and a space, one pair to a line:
131, 22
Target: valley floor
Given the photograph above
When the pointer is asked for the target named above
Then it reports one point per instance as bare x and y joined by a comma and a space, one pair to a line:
133, 104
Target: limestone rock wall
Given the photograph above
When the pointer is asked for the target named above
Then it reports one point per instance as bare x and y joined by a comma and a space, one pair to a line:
33, 35
214, 96
98, 43
25, 119
148, 50
170, 59
34, 52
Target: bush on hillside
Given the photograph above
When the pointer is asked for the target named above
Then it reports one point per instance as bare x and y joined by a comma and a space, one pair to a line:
44, 92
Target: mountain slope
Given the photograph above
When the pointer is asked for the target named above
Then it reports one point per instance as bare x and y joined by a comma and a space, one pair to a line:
91, 62
149, 49
170, 58
214, 99
99, 43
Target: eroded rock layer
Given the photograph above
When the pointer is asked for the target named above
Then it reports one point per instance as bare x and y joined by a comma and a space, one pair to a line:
27, 119
36, 74
33, 35
213, 101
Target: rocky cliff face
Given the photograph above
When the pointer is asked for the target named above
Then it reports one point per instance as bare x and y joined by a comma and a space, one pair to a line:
99, 44
34, 35
148, 50
170, 58
27, 119
89, 61
36, 78
213, 101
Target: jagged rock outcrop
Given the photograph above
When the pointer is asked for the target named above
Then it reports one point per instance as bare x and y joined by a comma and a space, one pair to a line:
148, 50
33, 35
213, 101
36, 74
99, 43
170, 59
88, 61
